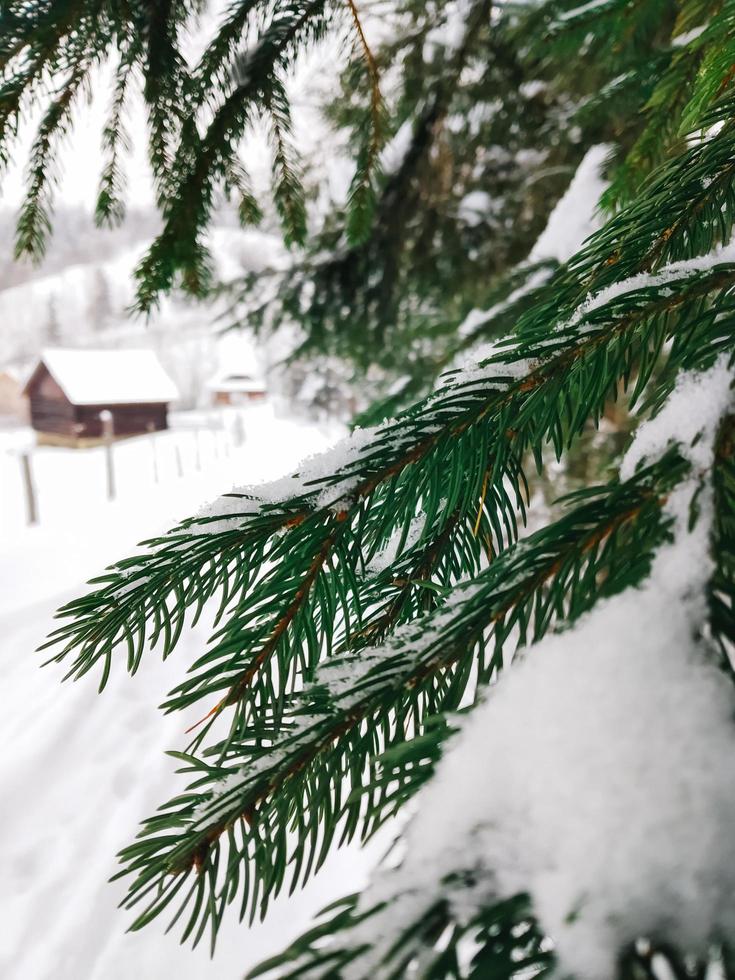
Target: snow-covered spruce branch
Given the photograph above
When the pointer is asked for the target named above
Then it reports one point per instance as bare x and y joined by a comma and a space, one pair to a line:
334, 650
631, 687
312, 779
502, 937
270, 545
643, 238
145, 598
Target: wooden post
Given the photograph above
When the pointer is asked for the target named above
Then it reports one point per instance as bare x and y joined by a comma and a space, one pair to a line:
108, 433
151, 429
238, 430
29, 488
215, 440
197, 453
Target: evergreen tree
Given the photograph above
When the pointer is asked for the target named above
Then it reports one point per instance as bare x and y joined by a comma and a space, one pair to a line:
577, 811
52, 329
99, 308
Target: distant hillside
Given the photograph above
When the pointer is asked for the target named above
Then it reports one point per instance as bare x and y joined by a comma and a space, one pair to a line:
75, 241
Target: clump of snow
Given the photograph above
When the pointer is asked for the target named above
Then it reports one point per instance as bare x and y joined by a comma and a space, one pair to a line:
330, 475
575, 217
394, 152
585, 8
673, 272
451, 33
387, 555
476, 318
475, 207
599, 774
682, 40
689, 417
529, 90
485, 366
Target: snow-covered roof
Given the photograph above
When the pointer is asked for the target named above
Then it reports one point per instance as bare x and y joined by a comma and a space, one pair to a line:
109, 377
226, 381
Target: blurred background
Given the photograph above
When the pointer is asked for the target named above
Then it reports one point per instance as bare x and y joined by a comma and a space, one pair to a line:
111, 430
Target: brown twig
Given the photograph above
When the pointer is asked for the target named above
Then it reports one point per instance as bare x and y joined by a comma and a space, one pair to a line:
372, 66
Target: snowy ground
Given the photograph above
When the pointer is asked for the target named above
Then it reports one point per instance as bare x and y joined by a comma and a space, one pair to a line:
80, 770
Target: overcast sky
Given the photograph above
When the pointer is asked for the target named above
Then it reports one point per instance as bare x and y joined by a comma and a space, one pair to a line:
80, 158
81, 155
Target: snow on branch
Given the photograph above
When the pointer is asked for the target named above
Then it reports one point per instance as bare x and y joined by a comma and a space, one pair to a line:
599, 775
382, 681
575, 218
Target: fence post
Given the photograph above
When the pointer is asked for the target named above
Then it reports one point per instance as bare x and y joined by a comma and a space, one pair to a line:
197, 454
108, 432
238, 430
151, 430
29, 488
215, 439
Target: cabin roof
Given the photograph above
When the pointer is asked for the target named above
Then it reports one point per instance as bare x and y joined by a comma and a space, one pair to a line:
108, 377
235, 381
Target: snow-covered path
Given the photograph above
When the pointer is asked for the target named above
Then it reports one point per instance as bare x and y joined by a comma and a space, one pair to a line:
80, 770
78, 773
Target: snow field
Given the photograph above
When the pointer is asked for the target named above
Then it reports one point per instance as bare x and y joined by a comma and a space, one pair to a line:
80, 770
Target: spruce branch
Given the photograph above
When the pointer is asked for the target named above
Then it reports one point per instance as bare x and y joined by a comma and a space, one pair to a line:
216, 65
34, 220
201, 163
110, 205
381, 588
288, 189
609, 340
411, 937
365, 702
361, 197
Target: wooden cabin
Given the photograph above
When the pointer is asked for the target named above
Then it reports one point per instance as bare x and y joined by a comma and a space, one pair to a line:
239, 378
70, 390
236, 389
